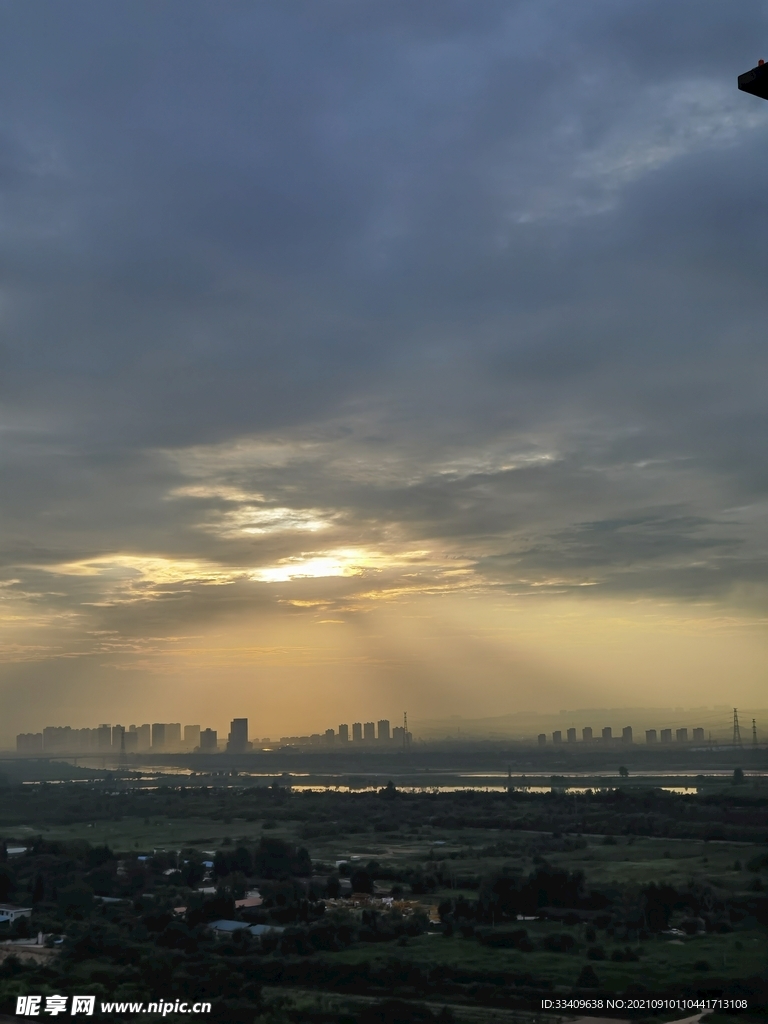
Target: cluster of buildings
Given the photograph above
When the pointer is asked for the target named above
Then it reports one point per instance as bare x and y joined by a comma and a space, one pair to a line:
158, 738
651, 736
170, 738
362, 733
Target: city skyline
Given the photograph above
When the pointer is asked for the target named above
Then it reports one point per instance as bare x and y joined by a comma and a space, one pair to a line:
348, 360
173, 738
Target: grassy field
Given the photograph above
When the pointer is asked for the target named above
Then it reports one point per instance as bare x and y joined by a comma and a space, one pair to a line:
663, 962
309, 1001
460, 853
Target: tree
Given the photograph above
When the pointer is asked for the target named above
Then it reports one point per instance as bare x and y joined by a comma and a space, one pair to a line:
38, 889
7, 882
361, 881
660, 901
333, 887
75, 900
273, 858
738, 776
624, 772
588, 978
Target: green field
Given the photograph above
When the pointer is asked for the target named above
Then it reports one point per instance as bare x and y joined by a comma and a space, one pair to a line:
458, 853
663, 962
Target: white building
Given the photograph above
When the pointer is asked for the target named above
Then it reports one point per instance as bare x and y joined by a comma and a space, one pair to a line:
9, 913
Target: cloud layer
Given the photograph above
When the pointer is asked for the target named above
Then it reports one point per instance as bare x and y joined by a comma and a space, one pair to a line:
307, 309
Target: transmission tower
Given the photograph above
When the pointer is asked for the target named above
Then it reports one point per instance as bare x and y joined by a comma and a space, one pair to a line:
736, 730
754, 733
405, 730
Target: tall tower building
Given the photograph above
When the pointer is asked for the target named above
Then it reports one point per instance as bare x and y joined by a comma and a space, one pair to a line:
209, 742
144, 738
191, 736
158, 736
369, 732
237, 741
384, 736
343, 734
357, 732
586, 734
173, 736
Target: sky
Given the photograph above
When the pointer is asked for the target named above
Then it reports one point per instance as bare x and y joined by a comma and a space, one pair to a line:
364, 356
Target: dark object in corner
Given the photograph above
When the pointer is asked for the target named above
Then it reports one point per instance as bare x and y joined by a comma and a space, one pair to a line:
755, 81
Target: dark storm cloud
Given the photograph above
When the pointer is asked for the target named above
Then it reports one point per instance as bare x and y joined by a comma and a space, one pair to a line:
487, 275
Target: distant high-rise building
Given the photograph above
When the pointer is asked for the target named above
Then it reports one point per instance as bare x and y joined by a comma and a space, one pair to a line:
131, 741
626, 734
571, 735
104, 737
29, 743
357, 732
586, 734
650, 735
118, 737
173, 736
191, 737
698, 735
237, 741
144, 736
681, 735
542, 738
398, 736
369, 732
384, 730
58, 738
330, 736
557, 737
607, 734
666, 735
343, 734
209, 742
158, 736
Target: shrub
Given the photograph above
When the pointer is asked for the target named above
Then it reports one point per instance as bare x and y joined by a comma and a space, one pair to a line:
559, 942
588, 978
361, 881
